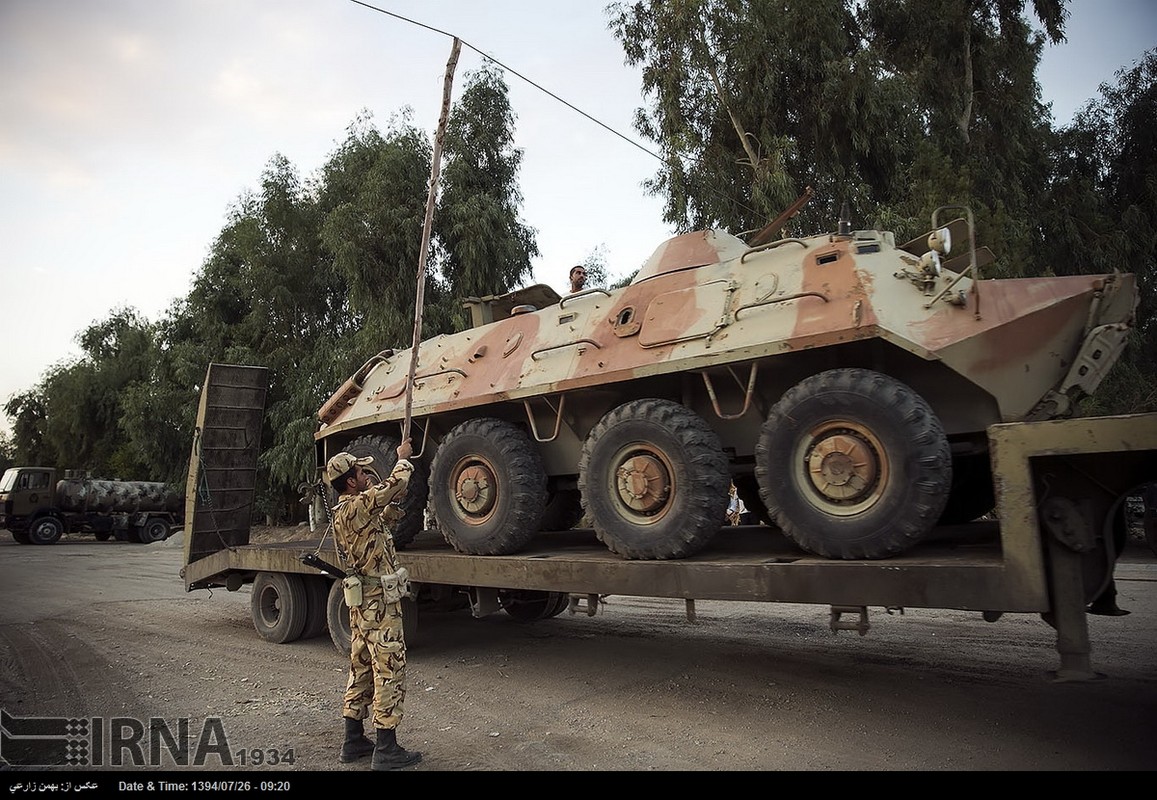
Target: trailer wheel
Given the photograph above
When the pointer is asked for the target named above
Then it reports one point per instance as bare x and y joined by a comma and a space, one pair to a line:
654, 480
21, 537
561, 604
155, 529
338, 616
316, 598
384, 450
526, 605
103, 536
564, 510
487, 487
853, 464
278, 606
45, 530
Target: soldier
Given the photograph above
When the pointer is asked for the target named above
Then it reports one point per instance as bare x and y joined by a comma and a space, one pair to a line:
362, 526
578, 278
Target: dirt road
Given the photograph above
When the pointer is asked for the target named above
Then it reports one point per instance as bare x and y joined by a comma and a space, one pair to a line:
105, 629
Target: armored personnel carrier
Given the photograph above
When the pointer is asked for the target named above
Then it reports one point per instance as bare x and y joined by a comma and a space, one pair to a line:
843, 382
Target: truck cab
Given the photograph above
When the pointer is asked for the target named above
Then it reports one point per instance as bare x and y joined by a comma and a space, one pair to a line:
24, 492
39, 505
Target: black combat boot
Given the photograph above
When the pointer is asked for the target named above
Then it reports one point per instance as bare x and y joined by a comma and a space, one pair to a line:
389, 754
356, 744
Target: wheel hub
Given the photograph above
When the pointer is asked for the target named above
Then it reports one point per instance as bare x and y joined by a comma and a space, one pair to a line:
842, 467
643, 483
474, 489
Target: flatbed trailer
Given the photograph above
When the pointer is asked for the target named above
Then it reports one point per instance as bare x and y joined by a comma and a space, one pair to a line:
1060, 487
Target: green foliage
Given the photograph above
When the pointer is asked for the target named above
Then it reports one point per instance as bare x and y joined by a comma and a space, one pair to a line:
7, 453
899, 107
308, 278
372, 201
27, 412
895, 106
595, 265
1102, 204
486, 247
72, 420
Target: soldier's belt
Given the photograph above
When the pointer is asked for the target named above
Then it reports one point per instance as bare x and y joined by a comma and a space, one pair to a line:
395, 585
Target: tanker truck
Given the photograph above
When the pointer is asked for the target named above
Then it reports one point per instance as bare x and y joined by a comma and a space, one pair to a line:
38, 509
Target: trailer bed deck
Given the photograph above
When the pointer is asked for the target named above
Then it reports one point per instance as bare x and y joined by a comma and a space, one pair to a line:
961, 567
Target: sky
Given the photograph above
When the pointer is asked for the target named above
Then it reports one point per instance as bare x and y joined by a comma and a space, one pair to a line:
129, 127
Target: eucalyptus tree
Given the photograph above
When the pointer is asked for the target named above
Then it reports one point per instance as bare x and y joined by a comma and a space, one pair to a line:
970, 68
895, 106
27, 412
752, 102
372, 199
486, 247
7, 452
1099, 214
264, 296
73, 418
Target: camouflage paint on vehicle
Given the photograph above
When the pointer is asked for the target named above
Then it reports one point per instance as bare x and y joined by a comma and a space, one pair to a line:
725, 330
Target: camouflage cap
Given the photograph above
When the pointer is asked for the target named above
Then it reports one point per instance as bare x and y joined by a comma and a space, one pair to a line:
342, 463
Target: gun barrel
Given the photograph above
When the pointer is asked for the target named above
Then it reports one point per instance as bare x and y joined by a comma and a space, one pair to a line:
312, 560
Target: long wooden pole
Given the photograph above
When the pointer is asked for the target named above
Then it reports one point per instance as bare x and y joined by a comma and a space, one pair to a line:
435, 169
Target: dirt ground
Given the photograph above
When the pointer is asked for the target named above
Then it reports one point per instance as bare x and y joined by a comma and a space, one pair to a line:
106, 629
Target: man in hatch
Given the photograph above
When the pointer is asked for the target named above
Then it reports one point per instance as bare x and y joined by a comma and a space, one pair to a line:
578, 278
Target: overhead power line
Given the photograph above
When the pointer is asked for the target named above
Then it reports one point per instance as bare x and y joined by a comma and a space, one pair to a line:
516, 73
682, 172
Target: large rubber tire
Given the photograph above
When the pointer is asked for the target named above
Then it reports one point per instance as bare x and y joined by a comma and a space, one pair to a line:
564, 510
103, 536
154, 530
316, 597
526, 605
747, 487
45, 530
21, 537
487, 487
337, 615
278, 606
972, 494
853, 464
654, 480
385, 454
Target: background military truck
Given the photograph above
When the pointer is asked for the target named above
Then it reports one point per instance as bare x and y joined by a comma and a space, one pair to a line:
844, 382
38, 509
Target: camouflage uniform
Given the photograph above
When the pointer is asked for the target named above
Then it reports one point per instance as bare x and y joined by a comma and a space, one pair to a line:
361, 525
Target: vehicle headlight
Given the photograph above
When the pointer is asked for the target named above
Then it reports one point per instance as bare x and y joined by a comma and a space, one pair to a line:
940, 241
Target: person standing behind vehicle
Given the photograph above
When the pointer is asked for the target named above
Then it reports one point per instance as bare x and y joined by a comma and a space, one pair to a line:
362, 524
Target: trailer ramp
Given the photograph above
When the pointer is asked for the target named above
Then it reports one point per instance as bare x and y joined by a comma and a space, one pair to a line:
223, 464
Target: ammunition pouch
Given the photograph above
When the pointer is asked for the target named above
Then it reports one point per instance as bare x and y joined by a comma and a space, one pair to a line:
396, 585
352, 587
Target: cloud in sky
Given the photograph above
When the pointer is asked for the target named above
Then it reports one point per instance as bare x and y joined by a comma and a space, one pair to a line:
128, 127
